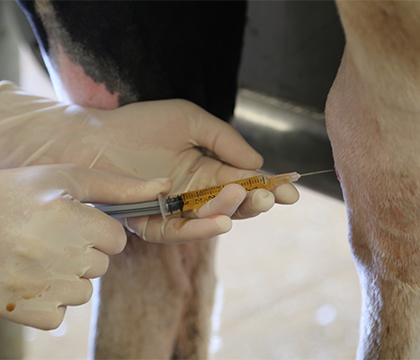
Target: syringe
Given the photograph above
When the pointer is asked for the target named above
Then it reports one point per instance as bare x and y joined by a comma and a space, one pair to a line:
193, 200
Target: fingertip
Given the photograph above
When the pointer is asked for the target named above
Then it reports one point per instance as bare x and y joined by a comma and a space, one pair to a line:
47, 320
224, 222
227, 143
149, 189
286, 194
263, 200
253, 161
161, 185
118, 241
237, 192
61, 311
138, 225
127, 224
88, 288
258, 160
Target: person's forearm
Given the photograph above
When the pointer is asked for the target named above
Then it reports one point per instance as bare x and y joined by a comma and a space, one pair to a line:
373, 120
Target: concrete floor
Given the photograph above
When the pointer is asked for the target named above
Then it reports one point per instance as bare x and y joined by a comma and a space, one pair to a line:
288, 288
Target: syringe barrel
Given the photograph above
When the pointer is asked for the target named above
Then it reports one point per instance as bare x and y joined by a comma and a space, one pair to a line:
193, 200
197, 198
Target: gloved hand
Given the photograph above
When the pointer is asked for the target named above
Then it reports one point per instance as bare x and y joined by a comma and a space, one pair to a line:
171, 138
51, 243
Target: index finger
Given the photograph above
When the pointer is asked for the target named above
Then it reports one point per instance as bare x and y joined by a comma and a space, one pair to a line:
222, 139
97, 186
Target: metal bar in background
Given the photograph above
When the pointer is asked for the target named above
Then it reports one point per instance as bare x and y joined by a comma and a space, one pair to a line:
9, 52
290, 138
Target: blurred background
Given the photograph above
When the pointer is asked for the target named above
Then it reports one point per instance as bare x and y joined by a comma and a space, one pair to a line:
288, 288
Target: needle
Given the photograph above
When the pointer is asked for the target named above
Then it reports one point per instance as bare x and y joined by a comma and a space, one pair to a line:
317, 172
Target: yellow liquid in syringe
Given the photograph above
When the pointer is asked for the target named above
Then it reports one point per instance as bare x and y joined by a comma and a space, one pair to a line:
197, 198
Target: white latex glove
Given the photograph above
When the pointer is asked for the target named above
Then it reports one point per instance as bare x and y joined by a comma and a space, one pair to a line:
148, 139
51, 243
